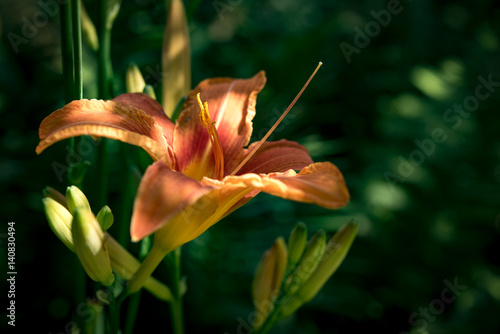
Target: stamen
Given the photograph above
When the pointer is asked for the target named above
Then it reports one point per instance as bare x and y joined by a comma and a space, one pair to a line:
208, 124
256, 148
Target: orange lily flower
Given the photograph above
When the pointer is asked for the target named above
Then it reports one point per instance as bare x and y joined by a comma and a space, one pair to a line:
196, 179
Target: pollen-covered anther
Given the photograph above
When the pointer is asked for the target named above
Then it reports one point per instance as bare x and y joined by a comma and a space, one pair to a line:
208, 124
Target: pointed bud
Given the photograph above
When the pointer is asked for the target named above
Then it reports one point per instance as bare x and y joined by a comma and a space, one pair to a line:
59, 219
268, 278
308, 264
281, 260
88, 30
176, 57
148, 89
55, 195
134, 80
75, 198
296, 244
334, 254
88, 239
112, 9
105, 218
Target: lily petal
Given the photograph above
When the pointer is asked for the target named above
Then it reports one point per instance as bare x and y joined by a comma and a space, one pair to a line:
152, 108
276, 156
320, 183
231, 104
197, 218
107, 119
162, 195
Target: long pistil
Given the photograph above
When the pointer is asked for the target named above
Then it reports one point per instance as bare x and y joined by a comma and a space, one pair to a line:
262, 141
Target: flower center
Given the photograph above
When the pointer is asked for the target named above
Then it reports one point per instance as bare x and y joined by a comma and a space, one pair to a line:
208, 124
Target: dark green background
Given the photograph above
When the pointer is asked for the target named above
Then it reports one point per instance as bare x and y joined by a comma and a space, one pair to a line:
438, 221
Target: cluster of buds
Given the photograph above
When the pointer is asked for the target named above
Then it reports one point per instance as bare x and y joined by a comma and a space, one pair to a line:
72, 221
285, 279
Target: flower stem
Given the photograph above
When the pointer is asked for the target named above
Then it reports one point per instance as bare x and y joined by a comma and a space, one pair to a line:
77, 48
105, 79
67, 51
177, 317
76, 32
133, 305
147, 267
105, 70
114, 316
268, 324
176, 305
68, 64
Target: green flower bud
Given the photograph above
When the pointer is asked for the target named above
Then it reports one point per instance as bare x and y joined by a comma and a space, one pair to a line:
88, 30
281, 261
105, 218
296, 244
113, 7
59, 219
334, 254
148, 89
308, 263
134, 80
75, 198
267, 280
88, 239
176, 57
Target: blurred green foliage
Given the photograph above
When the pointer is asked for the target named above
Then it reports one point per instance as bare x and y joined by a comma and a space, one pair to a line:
423, 222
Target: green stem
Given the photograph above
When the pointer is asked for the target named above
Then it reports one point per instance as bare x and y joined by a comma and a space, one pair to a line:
77, 48
68, 65
147, 267
104, 93
173, 263
268, 324
105, 70
177, 317
135, 299
133, 307
274, 315
114, 315
76, 32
